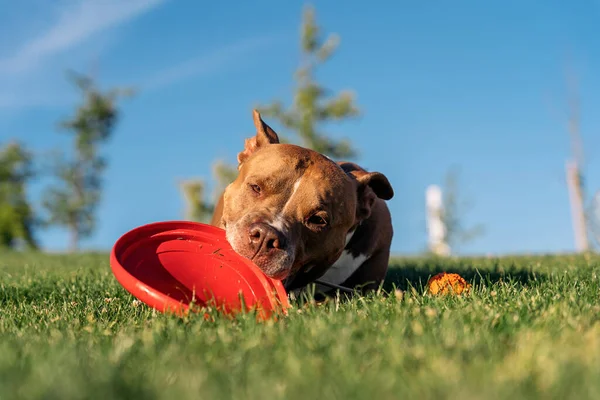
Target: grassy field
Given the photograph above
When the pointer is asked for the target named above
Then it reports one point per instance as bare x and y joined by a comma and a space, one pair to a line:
529, 329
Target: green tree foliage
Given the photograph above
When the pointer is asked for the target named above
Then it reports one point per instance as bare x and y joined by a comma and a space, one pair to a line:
73, 201
16, 215
453, 215
313, 105
224, 174
196, 208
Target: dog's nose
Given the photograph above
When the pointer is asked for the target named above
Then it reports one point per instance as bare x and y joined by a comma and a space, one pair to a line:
265, 237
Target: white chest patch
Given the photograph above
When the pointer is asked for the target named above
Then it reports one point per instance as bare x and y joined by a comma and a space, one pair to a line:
349, 237
343, 268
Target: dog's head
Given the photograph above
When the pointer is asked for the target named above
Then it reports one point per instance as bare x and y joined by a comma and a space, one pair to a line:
291, 207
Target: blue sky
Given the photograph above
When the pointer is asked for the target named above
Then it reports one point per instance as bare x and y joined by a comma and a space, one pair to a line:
470, 83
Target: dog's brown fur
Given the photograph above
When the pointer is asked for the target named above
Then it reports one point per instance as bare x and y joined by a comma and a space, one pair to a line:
308, 205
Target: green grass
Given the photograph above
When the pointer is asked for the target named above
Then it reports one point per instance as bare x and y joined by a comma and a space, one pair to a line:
529, 329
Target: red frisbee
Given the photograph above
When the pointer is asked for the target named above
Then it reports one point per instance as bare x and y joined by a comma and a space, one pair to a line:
167, 265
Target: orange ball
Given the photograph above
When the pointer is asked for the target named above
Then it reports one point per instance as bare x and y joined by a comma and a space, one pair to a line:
445, 283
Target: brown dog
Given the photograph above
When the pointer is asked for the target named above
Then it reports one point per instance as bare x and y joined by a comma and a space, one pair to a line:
301, 217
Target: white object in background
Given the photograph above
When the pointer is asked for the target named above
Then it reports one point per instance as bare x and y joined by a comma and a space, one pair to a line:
436, 229
577, 208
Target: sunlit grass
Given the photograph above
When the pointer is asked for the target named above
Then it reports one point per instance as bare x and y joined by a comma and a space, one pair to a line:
528, 329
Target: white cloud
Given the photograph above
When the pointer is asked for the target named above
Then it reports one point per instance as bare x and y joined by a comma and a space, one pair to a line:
75, 34
207, 63
78, 21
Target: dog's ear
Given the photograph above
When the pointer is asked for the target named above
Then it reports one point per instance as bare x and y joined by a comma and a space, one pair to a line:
379, 183
264, 136
370, 186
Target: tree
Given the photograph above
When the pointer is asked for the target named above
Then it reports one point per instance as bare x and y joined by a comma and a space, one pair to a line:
197, 209
194, 192
224, 174
312, 107
453, 214
73, 201
16, 215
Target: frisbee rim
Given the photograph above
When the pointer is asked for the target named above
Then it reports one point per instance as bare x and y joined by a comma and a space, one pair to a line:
276, 295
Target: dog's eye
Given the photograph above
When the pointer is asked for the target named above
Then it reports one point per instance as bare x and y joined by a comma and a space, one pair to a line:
255, 188
317, 220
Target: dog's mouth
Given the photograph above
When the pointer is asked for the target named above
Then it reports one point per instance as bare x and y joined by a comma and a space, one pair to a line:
269, 245
277, 267
280, 275
275, 264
